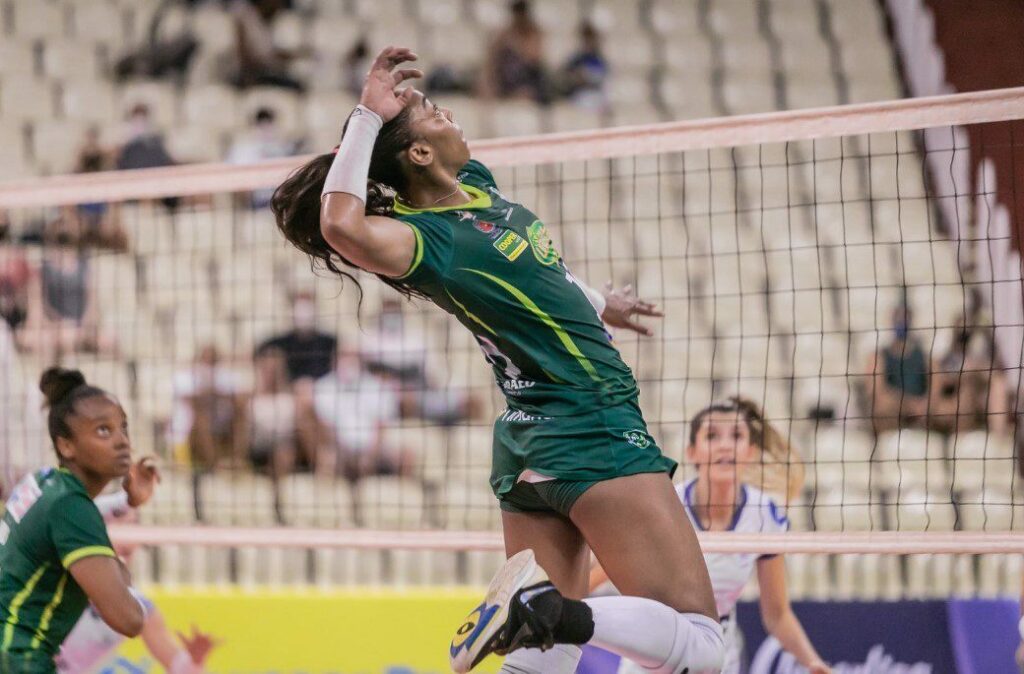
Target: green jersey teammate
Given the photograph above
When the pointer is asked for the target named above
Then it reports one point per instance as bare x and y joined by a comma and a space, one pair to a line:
55, 556
573, 462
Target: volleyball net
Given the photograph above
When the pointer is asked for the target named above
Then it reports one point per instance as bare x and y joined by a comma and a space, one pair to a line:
853, 271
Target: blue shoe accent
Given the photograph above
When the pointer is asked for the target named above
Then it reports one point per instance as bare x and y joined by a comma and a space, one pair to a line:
475, 623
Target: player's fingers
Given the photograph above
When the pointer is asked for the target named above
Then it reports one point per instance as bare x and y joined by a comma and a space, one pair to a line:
639, 328
627, 289
406, 74
647, 309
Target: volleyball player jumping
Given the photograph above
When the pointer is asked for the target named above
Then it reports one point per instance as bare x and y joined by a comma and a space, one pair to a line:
573, 462
55, 556
735, 448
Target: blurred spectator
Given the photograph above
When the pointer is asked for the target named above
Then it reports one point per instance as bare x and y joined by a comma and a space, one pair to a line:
355, 406
899, 394
397, 350
514, 66
968, 390
308, 352
100, 222
272, 416
63, 308
15, 274
159, 56
586, 72
259, 61
209, 412
309, 356
265, 140
144, 146
355, 65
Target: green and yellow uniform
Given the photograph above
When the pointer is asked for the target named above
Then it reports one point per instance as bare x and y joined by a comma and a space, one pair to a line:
572, 402
50, 524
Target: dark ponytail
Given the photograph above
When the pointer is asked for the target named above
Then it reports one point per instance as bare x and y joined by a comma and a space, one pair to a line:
296, 201
63, 388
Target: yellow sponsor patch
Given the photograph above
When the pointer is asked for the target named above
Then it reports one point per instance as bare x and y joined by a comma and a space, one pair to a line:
511, 245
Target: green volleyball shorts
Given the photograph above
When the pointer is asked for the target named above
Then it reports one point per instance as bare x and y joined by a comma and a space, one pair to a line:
576, 451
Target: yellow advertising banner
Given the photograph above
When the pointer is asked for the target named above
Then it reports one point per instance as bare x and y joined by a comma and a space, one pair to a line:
314, 632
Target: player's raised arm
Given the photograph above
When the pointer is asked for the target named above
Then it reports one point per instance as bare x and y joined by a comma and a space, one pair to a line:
374, 243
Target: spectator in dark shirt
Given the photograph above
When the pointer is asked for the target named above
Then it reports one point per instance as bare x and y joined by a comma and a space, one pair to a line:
309, 352
514, 66
309, 356
898, 394
586, 72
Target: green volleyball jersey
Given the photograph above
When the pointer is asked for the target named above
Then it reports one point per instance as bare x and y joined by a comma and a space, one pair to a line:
492, 265
50, 524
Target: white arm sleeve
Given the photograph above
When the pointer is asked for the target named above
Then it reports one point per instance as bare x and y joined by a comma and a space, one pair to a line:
352, 162
596, 298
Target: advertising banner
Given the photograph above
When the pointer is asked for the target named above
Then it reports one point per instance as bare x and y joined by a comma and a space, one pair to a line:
902, 637
315, 632
408, 632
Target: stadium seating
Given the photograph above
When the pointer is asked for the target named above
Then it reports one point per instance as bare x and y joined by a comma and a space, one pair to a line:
766, 297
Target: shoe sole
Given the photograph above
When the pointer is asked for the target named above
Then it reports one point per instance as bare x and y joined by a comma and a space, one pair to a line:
473, 640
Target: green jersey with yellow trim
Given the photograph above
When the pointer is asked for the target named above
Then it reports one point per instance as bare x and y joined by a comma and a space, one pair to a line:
492, 265
50, 523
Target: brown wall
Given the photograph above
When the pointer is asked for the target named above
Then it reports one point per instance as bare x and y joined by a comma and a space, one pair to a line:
983, 41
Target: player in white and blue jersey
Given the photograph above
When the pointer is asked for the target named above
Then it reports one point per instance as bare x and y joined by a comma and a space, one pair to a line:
734, 448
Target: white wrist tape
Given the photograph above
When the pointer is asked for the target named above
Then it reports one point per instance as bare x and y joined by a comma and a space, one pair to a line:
352, 162
112, 505
596, 298
183, 664
137, 596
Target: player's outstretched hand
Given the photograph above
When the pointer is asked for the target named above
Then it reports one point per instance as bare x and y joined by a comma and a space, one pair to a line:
199, 645
379, 89
623, 305
141, 480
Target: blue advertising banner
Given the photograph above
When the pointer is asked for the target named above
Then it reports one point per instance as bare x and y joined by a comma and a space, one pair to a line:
904, 637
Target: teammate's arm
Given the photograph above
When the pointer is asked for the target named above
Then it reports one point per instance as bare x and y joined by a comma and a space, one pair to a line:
377, 244
105, 582
778, 617
186, 656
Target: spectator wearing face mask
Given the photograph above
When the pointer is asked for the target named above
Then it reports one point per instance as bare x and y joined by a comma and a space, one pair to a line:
397, 350
264, 140
309, 355
355, 406
898, 393
209, 412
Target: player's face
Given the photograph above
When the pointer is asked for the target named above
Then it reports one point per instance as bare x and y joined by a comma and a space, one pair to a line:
722, 447
438, 128
99, 441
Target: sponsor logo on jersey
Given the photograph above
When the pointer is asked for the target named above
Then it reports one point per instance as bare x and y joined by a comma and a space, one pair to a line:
508, 213
541, 244
638, 438
517, 384
514, 416
484, 226
511, 245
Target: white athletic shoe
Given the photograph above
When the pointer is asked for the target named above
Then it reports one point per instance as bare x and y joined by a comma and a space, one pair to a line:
497, 625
